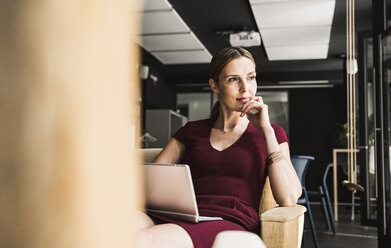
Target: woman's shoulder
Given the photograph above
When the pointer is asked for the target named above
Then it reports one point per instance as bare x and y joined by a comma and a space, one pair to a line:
280, 133
277, 128
191, 130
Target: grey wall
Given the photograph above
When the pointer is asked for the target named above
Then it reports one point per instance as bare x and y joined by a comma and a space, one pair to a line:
314, 116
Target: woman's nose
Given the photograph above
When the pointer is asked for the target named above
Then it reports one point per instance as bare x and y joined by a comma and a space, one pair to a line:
244, 85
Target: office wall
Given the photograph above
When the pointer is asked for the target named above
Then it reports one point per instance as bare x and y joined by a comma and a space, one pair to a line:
156, 94
314, 116
196, 106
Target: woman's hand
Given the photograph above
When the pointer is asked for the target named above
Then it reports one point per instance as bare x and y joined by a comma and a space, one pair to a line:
257, 112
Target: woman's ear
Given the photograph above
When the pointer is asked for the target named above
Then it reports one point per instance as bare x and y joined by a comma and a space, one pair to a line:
213, 86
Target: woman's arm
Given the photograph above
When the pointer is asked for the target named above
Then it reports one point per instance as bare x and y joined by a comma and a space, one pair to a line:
285, 184
172, 153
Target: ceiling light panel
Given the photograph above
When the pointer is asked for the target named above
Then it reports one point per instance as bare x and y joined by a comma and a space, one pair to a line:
162, 22
294, 29
183, 57
297, 52
271, 1
167, 37
296, 36
166, 42
294, 13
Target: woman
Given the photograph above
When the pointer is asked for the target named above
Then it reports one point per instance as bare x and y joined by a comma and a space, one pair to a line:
229, 156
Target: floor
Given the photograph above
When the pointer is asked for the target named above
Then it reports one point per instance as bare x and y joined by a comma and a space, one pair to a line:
349, 233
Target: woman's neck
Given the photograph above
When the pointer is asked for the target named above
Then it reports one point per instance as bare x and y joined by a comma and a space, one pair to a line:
229, 120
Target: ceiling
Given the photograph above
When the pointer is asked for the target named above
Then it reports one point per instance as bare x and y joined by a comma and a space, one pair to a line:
204, 18
301, 30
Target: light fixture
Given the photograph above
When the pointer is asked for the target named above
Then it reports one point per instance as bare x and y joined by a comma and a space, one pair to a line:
241, 37
144, 71
245, 39
351, 66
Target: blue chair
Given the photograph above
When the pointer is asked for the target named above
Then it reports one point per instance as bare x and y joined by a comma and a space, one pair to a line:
325, 200
300, 163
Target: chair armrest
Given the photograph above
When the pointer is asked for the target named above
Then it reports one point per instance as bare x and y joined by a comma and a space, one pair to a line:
283, 214
149, 154
282, 227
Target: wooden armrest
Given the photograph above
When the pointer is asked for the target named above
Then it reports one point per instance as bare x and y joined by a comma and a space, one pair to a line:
282, 227
149, 154
283, 214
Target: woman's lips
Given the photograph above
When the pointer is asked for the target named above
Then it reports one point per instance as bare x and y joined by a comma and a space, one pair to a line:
243, 99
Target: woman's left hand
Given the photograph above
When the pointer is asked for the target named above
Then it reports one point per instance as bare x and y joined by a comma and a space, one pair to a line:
257, 112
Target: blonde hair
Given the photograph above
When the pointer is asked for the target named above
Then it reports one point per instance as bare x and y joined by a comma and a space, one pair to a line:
219, 61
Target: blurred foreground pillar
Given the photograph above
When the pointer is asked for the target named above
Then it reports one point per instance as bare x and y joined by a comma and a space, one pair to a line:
67, 108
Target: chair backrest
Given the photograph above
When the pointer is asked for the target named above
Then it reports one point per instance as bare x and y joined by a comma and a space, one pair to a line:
300, 163
326, 172
267, 201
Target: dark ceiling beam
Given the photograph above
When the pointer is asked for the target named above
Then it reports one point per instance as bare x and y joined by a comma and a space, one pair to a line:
266, 77
332, 75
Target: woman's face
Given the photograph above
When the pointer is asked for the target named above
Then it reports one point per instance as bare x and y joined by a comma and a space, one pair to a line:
237, 83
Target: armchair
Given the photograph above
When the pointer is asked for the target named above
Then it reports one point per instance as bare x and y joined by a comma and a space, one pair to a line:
281, 227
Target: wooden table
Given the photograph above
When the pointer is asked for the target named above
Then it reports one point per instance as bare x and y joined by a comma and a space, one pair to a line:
335, 178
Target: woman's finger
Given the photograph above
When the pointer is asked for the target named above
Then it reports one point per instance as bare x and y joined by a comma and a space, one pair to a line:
258, 99
247, 106
255, 106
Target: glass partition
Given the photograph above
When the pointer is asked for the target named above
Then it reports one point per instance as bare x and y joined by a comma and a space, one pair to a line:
366, 131
371, 170
388, 13
277, 102
386, 172
197, 106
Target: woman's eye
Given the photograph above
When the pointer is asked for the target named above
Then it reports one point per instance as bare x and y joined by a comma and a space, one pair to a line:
232, 79
251, 78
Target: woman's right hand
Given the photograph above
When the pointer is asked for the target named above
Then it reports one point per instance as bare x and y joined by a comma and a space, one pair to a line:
260, 117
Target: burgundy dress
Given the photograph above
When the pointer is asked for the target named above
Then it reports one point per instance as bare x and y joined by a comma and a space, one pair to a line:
227, 183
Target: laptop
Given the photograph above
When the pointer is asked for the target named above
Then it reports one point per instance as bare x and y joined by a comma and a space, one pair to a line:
170, 193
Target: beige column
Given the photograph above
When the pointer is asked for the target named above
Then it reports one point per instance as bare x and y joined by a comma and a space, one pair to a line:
67, 107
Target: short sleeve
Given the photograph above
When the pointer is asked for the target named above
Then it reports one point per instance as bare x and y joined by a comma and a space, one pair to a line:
280, 134
181, 134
